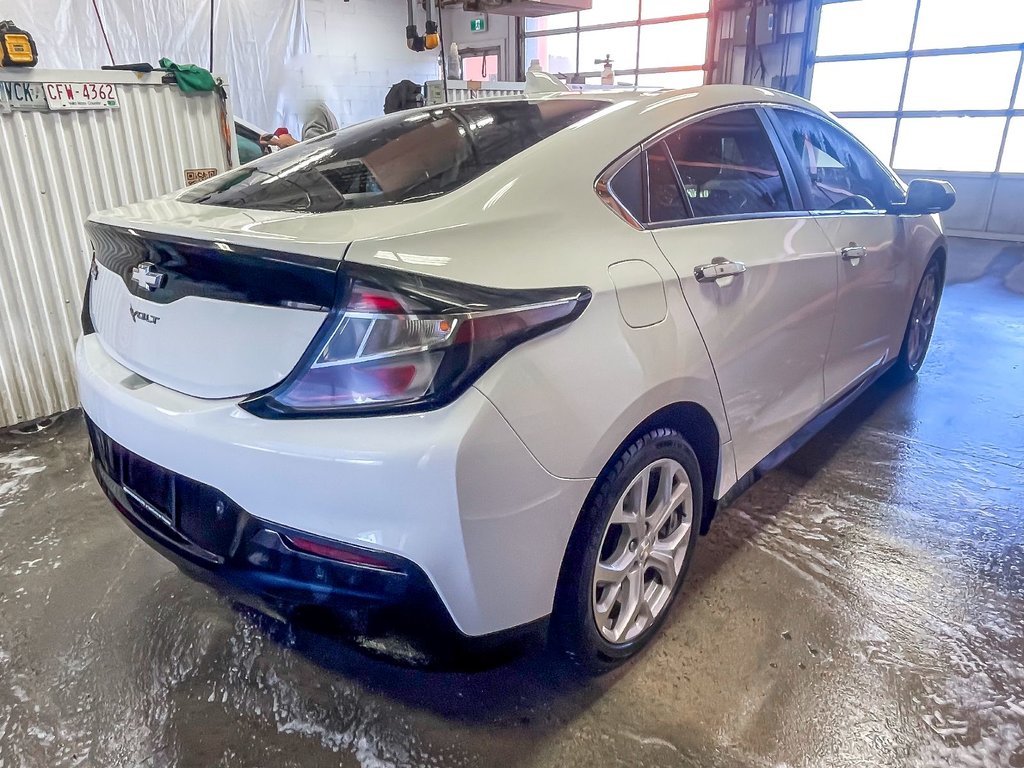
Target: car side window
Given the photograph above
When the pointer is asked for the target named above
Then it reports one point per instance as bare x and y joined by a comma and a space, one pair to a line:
627, 186
728, 166
834, 172
666, 199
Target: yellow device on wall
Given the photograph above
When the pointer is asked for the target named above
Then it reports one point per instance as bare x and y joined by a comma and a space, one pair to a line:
17, 48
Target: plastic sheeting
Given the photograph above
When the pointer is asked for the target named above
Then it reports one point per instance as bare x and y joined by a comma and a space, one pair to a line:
254, 41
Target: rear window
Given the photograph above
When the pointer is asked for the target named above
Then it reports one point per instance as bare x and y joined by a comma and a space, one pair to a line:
401, 158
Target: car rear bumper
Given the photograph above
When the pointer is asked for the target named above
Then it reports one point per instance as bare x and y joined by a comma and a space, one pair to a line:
453, 496
251, 559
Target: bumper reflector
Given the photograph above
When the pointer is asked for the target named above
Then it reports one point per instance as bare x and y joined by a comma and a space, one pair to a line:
348, 556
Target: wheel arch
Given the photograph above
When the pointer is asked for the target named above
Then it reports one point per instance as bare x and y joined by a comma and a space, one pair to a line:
697, 426
940, 252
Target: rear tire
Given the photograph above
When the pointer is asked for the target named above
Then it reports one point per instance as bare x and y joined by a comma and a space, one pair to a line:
921, 323
629, 553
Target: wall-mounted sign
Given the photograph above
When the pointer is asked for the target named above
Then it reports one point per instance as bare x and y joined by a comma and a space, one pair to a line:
478, 24
196, 175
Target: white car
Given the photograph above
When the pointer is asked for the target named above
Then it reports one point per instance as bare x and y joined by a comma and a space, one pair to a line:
488, 363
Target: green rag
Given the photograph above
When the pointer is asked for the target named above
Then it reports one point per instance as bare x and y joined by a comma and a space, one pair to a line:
191, 77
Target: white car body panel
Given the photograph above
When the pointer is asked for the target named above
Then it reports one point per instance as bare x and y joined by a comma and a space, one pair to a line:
872, 295
198, 345
453, 490
767, 331
484, 492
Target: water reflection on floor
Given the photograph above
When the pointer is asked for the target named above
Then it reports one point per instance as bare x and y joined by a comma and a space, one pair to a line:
862, 605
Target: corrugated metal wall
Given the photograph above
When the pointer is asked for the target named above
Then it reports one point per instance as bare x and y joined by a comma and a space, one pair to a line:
55, 169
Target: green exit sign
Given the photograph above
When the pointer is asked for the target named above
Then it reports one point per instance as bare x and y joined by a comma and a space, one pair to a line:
478, 25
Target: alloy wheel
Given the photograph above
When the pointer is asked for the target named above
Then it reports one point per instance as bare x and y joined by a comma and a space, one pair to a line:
922, 320
643, 551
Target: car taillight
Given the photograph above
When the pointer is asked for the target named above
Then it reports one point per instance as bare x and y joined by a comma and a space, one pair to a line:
405, 342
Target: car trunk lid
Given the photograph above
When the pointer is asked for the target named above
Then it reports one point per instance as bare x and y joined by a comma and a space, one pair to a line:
206, 317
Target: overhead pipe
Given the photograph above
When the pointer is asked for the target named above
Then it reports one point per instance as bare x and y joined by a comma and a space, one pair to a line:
412, 34
431, 39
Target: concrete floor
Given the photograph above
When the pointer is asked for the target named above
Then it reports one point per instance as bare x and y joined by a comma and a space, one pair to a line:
862, 605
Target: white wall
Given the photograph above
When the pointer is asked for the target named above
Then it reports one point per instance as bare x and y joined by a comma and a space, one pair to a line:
357, 52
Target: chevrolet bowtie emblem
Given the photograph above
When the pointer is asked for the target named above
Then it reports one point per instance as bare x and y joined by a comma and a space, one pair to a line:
146, 276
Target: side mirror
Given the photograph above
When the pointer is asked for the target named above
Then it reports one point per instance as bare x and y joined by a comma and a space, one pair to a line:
925, 196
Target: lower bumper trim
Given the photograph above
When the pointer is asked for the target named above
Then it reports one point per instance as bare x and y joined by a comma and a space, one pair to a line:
216, 541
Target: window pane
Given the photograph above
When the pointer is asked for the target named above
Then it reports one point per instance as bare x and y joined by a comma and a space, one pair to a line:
620, 43
555, 21
628, 187
556, 53
834, 172
480, 67
955, 23
858, 86
949, 143
1013, 156
675, 44
660, 9
865, 26
970, 81
874, 133
610, 11
666, 199
728, 166
690, 79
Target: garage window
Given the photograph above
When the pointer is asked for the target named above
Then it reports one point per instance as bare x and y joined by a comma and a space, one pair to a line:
651, 43
928, 85
402, 158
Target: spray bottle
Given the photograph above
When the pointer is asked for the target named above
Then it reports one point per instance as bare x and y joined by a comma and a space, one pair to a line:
608, 75
453, 63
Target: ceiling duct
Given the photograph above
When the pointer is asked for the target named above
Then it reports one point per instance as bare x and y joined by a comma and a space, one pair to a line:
527, 7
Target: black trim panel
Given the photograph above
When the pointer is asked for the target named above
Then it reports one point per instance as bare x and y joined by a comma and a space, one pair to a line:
217, 270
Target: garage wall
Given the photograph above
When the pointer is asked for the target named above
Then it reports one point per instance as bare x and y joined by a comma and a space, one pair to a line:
357, 51
252, 39
989, 206
279, 56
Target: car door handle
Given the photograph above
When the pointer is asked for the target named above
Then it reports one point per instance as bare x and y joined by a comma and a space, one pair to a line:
854, 251
718, 269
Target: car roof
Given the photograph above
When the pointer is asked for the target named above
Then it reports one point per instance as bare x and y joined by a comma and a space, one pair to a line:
635, 114
709, 96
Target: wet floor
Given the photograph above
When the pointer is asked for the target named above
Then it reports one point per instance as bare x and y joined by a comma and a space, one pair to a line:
862, 605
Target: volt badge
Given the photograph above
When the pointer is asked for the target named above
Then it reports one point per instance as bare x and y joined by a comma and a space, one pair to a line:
144, 317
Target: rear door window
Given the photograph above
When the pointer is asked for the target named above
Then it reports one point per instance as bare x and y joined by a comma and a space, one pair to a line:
401, 158
834, 172
667, 202
728, 166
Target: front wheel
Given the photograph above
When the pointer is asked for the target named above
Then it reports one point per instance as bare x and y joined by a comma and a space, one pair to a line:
921, 323
629, 552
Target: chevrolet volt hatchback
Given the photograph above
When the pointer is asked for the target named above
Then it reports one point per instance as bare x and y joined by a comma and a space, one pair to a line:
491, 362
